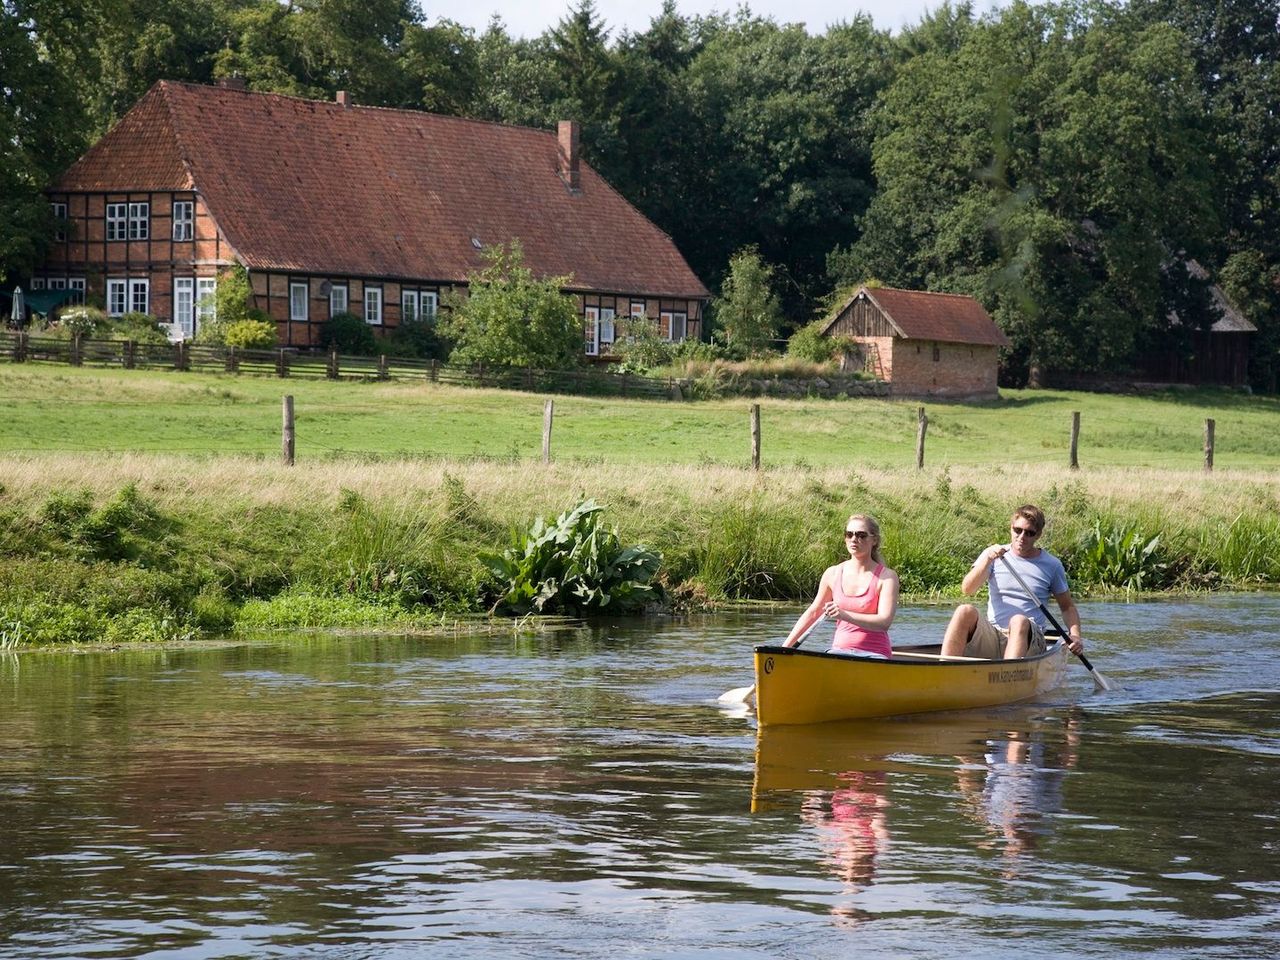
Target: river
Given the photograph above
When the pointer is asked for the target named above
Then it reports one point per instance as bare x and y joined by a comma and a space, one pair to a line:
578, 793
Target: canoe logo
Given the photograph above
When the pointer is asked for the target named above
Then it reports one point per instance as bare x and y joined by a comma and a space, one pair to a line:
768, 665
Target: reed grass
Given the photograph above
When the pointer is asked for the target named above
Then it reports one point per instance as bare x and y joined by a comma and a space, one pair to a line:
167, 547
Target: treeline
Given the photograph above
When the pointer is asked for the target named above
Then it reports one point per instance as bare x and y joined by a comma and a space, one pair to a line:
1062, 162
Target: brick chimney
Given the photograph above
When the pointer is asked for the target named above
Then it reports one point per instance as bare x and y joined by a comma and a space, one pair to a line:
234, 82
567, 157
344, 98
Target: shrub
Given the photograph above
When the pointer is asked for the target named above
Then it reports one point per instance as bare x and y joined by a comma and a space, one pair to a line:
573, 565
643, 349
809, 344
1120, 556
250, 334
416, 338
82, 321
141, 327
347, 333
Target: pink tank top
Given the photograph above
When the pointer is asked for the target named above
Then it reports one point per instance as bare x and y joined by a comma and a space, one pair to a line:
850, 636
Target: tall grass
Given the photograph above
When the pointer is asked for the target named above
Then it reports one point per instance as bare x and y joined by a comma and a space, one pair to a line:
167, 547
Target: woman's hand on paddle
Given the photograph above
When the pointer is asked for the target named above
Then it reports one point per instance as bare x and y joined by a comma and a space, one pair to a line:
832, 611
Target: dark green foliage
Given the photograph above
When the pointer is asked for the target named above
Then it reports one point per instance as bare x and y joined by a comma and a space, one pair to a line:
416, 338
573, 565
1120, 556
348, 334
127, 527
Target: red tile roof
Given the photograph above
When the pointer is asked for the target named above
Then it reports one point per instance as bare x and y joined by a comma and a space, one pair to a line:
946, 317
320, 188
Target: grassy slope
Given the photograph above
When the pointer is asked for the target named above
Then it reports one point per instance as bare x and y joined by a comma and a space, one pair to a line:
89, 410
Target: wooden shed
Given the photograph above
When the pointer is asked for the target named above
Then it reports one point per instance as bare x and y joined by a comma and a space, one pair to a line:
922, 343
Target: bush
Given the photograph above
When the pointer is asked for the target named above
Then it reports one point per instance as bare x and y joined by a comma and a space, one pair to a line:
250, 334
82, 321
809, 344
347, 333
572, 565
643, 349
141, 327
416, 338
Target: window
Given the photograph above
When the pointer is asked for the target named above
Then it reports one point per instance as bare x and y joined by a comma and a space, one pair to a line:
937, 353
373, 305
605, 336
337, 299
57, 283
673, 325
60, 215
117, 216
418, 305
206, 300
76, 285
139, 221
591, 332
139, 296
116, 297
128, 220
184, 305
183, 220
298, 293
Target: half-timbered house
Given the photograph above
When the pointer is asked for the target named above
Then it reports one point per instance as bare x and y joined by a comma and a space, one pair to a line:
335, 207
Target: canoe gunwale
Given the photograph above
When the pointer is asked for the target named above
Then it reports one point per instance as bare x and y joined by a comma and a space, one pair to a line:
776, 648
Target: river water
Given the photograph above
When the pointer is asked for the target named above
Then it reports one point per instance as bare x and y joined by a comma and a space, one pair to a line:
579, 793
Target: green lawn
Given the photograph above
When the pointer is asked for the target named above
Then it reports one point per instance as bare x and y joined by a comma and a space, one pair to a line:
92, 410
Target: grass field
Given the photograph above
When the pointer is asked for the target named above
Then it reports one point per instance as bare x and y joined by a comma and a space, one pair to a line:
93, 410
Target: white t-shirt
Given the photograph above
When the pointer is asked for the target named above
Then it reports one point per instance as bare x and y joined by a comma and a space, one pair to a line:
1045, 576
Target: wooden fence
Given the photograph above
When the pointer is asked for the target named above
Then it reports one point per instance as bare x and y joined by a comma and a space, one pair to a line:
23, 347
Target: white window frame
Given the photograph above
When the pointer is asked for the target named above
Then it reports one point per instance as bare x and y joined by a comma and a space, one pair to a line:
38, 283
117, 221
408, 306
184, 220
206, 301
299, 301
59, 214
591, 330
674, 319
373, 305
57, 283
339, 299
433, 298
607, 328
184, 306
76, 284
117, 297
139, 296
139, 221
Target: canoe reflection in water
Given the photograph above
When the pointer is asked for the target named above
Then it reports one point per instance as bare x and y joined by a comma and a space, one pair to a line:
859, 782
1015, 788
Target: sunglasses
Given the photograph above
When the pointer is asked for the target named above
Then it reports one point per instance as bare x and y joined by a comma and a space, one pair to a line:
1024, 532
857, 535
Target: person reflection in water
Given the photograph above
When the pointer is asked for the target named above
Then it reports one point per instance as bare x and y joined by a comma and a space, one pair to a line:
1021, 784
852, 831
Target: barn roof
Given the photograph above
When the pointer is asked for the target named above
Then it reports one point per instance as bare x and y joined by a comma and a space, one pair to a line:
923, 315
322, 187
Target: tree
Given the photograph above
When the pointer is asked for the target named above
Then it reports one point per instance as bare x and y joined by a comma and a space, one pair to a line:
747, 310
510, 318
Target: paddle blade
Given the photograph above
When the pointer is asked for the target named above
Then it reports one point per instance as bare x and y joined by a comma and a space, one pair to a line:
1102, 682
737, 694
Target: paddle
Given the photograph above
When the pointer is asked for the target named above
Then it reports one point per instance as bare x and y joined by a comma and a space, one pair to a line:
740, 694
1102, 682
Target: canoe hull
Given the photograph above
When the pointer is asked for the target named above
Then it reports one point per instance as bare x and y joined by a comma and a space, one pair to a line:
808, 686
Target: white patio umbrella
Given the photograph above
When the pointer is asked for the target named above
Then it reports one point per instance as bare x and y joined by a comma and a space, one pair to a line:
17, 313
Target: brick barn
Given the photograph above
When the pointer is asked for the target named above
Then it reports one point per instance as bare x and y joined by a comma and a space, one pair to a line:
334, 207
922, 344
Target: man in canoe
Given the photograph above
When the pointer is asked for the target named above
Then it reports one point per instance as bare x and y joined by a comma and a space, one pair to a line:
860, 595
1014, 624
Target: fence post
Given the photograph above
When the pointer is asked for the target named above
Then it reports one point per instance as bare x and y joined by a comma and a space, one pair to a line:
434, 374
1208, 445
922, 427
548, 414
282, 363
74, 358
20, 347
755, 436
624, 383
130, 354
383, 373
231, 362
333, 371
1075, 439
286, 433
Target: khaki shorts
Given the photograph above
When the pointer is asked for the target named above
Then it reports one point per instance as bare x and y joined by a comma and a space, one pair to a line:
988, 641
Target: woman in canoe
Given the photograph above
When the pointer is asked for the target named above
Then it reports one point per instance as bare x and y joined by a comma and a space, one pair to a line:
860, 594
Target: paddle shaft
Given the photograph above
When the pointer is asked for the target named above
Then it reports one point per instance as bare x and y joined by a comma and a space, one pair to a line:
1045, 610
740, 694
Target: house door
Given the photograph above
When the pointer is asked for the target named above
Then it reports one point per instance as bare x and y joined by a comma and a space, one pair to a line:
184, 306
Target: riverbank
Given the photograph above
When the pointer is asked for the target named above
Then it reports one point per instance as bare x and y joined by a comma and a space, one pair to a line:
126, 548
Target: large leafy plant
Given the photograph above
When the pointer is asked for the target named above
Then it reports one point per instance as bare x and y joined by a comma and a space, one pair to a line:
573, 565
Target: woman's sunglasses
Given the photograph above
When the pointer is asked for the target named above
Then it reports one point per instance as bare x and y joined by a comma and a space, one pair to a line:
857, 534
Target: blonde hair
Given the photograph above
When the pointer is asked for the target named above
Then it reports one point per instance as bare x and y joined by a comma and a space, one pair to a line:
874, 529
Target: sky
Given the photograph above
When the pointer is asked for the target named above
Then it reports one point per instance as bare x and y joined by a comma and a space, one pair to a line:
529, 18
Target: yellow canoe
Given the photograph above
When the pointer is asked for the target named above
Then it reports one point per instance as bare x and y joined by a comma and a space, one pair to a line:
794, 685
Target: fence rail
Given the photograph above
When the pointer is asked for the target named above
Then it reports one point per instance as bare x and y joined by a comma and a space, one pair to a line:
23, 347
